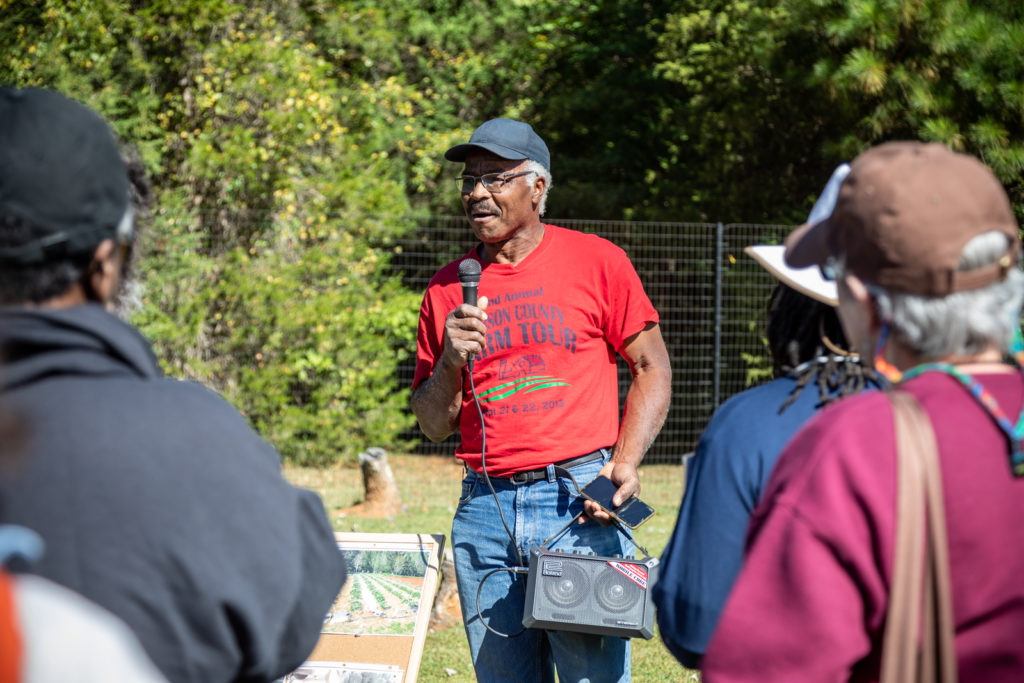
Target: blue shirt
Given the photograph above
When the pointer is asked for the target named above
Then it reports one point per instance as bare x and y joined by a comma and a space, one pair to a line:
724, 480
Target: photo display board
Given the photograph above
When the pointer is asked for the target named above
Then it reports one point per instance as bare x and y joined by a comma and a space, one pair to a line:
376, 628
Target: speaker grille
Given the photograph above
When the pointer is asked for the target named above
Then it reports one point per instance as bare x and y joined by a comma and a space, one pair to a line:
568, 590
615, 592
590, 594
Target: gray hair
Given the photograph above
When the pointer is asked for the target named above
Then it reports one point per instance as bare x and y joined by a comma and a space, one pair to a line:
544, 173
962, 323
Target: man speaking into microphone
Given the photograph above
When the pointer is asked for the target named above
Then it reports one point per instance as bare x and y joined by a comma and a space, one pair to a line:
552, 309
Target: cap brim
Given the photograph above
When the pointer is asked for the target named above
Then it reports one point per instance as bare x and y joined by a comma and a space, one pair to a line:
808, 245
459, 152
807, 280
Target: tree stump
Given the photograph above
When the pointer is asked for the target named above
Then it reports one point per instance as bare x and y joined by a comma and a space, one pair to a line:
382, 496
446, 612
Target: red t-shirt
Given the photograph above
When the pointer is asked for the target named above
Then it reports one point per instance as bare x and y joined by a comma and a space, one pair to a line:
811, 599
547, 381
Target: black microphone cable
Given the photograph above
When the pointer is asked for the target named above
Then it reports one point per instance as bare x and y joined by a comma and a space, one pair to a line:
483, 466
469, 276
521, 569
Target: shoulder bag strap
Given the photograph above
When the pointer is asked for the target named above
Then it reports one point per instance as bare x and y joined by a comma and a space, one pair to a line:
921, 556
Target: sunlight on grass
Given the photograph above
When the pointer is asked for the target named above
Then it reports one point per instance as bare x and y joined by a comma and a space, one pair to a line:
429, 487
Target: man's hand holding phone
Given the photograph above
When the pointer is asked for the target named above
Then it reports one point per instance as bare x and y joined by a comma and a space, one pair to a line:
611, 496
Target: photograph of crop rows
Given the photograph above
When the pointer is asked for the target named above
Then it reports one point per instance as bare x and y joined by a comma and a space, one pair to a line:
381, 594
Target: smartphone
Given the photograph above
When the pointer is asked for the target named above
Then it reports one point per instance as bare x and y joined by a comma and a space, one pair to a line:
633, 512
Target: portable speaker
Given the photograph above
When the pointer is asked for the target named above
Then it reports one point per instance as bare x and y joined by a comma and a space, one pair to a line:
590, 594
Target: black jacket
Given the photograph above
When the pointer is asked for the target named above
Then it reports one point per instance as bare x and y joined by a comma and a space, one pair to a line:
159, 502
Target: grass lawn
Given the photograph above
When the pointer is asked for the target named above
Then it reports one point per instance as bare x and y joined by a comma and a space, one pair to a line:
430, 487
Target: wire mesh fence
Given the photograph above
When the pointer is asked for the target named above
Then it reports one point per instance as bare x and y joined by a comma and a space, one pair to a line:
710, 295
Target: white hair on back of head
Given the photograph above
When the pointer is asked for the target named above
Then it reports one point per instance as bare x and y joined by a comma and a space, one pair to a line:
538, 168
962, 323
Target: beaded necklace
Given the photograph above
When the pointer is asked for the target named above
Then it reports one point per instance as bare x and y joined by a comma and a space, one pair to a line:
1014, 432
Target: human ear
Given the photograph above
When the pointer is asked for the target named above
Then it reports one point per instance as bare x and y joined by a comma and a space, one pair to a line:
539, 184
103, 273
866, 301
856, 288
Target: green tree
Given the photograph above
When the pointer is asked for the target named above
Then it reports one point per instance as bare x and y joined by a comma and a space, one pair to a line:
951, 71
90, 50
746, 136
261, 278
600, 105
776, 94
429, 71
291, 143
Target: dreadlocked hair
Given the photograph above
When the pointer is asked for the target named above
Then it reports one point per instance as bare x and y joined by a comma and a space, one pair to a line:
806, 340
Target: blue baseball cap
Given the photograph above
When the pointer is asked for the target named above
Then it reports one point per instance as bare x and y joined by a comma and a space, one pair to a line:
506, 138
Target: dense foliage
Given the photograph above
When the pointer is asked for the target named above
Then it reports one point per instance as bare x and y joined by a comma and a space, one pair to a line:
284, 138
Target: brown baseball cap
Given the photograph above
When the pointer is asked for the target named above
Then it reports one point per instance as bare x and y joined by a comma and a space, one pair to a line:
903, 216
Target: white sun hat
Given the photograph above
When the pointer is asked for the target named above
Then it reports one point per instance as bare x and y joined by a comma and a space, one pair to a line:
807, 280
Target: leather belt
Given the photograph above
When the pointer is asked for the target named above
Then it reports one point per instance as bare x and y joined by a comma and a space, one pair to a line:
542, 472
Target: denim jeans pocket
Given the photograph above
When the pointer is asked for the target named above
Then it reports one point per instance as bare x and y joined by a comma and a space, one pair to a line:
469, 485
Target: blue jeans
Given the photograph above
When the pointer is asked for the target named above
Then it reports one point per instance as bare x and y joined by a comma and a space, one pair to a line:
534, 512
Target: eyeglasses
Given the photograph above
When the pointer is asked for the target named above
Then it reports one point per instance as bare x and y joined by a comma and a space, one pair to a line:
125, 234
493, 182
125, 251
829, 269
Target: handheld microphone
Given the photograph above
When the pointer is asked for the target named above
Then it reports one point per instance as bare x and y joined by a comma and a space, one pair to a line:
469, 276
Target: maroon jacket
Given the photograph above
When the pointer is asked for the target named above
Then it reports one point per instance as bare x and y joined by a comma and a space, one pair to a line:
811, 599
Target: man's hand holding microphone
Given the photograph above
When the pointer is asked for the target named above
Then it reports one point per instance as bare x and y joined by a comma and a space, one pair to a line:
465, 332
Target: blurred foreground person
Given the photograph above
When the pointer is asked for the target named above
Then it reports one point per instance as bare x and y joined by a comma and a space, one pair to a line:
47, 632
924, 249
154, 497
737, 451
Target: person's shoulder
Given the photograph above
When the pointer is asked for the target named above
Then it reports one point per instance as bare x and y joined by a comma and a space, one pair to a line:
183, 401
850, 412
446, 275
754, 414
842, 447
767, 396
587, 249
94, 644
578, 238
189, 392
39, 596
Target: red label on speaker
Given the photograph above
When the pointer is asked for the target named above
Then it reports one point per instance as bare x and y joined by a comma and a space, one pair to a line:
635, 573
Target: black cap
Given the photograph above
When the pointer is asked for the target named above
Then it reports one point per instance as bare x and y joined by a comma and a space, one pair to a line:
508, 139
61, 173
